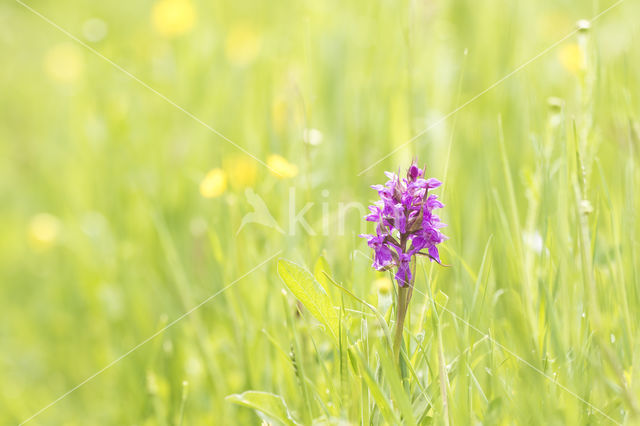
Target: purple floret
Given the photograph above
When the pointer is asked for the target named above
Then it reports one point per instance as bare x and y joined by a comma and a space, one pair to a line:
382, 256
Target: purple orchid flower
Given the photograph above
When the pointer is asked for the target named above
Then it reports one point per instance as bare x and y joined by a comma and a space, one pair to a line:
382, 255
406, 224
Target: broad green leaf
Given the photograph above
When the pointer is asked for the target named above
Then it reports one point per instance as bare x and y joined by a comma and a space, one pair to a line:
310, 294
269, 404
319, 270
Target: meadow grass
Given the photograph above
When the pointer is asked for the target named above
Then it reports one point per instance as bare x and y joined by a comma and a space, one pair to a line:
107, 240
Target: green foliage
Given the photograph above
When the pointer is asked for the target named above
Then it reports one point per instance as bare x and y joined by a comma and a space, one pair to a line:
311, 295
273, 406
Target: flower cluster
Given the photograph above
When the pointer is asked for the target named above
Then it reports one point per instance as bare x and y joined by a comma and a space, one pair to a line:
405, 223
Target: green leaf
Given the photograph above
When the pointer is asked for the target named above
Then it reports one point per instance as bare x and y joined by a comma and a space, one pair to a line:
378, 394
402, 400
319, 270
310, 294
269, 404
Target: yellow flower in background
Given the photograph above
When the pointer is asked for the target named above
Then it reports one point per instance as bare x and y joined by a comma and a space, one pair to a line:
43, 230
572, 57
242, 171
173, 17
281, 167
214, 183
64, 62
242, 44
383, 285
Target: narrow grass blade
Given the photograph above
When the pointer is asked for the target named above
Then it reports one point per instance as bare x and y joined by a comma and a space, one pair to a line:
269, 404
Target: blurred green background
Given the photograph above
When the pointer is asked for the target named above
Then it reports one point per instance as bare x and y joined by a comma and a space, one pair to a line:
119, 211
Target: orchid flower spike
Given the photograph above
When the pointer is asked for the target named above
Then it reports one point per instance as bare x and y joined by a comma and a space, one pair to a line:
406, 225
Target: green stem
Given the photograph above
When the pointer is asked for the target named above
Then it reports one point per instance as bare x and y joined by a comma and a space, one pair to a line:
401, 313
444, 380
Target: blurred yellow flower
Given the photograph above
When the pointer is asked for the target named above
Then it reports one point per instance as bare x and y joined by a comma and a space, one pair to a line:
383, 285
281, 167
64, 62
242, 45
242, 171
628, 374
214, 183
173, 17
572, 58
43, 230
